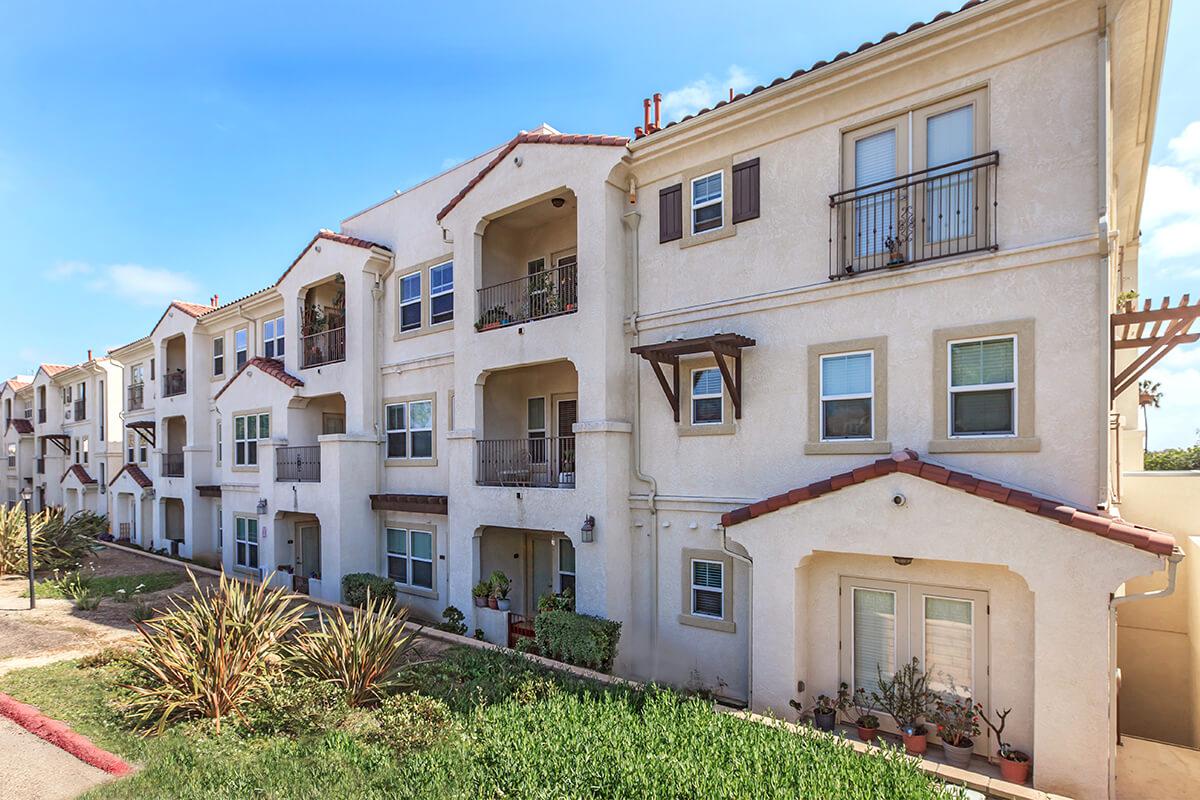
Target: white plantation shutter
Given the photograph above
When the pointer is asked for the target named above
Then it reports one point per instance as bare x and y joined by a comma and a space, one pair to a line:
950, 136
875, 158
875, 215
949, 643
874, 637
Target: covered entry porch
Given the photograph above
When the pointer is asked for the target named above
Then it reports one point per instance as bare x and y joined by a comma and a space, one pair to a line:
537, 563
298, 552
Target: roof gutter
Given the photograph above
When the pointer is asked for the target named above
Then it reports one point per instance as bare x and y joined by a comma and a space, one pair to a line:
1173, 561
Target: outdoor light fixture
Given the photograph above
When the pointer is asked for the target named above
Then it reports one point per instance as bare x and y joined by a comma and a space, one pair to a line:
588, 529
558, 202
903, 561
26, 496
262, 506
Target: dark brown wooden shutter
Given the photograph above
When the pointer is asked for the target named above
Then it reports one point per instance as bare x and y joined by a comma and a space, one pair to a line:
745, 190
670, 213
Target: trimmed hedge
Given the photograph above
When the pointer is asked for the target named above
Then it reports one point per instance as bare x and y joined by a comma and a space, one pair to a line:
356, 585
1174, 458
578, 639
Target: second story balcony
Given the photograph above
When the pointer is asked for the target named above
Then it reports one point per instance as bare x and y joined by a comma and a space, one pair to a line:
546, 293
948, 210
323, 347
323, 323
80, 410
174, 383
529, 415
298, 464
136, 399
172, 465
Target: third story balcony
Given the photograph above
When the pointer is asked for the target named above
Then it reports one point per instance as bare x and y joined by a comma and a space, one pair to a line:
137, 397
322, 323
174, 383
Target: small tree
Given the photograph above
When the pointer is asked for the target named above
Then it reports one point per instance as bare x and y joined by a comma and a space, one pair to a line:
1006, 749
905, 696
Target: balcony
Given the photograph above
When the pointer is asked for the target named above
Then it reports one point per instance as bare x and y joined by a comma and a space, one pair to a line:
548, 293
39, 466
324, 347
949, 210
136, 400
543, 462
298, 464
80, 410
174, 383
29, 413
12, 461
172, 465
42, 415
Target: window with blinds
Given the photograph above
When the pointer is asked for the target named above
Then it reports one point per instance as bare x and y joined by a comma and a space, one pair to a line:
847, 396
707, 399
874, 214
874, 637
708, 589
949, 192
982, 386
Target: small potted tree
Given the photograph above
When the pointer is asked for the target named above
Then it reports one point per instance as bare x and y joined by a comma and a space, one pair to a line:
1014, 765
905, 696
957, 724
481, 593
501, 584
824, 713
860, 711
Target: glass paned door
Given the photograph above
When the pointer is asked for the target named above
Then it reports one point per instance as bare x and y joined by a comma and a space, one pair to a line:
874, 636
875, 208
950, 191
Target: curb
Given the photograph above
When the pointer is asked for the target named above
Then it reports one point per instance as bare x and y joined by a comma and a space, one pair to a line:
61, 736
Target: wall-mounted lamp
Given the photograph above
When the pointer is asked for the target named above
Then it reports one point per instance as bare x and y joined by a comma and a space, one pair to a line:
588, 530
903, 561
262, 506
558, 202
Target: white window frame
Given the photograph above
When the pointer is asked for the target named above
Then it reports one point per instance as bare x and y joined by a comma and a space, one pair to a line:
441, 292
408, 430
274, 339
85, 449
219, 442
130, 446
544, 430
693, 397
408, 557
241, 350
563, 544
218, 355
220, 529
692, 578
247, 439
241, 537
824, 397
1012, 386
413, 301
720, 200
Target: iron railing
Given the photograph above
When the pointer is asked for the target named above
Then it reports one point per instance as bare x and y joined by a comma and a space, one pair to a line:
29, 413
548, 293
42, 415
542, 462
39, 465
947, 210
172, 465
325, 347
302, 464
174, 383
137, 397
12, 461
80, 410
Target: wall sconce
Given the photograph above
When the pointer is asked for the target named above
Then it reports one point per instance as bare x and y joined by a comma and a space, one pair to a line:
558, 202
262, 506
588, 529
903, 561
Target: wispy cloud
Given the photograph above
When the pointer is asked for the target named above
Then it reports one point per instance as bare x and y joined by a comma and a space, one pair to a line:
1171, 214
146, 286
704, 92
65, 270
1177, 422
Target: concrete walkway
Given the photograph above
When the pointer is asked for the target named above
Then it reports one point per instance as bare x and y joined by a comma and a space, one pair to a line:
33, 769
1149, 770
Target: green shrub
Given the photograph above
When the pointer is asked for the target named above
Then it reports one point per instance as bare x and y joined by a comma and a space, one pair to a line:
12, 538
578, 639
105, 657
295, 705
67, 543
1174, 458
452, 621
411, 721
357, 585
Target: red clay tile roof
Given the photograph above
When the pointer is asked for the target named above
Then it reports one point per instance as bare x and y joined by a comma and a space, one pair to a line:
909, 462
135, 472
80, 473
54, 369
191, 309
15, 385
21, 425
844, 54
269, 366
529, 138
333, 237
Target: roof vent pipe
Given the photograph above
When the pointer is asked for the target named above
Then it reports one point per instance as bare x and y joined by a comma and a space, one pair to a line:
646, 114
657, 110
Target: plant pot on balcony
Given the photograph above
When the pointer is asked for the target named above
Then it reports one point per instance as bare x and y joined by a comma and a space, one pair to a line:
492, 603
1015, 767
824, 720
867, 734
503, 604
481, 602
958, 755
915, 743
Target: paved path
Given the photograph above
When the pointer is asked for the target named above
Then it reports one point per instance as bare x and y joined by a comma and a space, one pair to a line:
1149, 770
33, 769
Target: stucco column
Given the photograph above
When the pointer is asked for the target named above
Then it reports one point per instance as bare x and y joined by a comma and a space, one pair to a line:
777, 622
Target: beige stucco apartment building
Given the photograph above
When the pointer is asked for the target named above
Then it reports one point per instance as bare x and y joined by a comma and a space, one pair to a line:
801, 387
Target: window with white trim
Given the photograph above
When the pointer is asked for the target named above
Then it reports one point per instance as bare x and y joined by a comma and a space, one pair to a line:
248, 430
982, 385
847, 396
409, 555
84, 449
566, 566
246, 542
409, 429
441, 293
130, 446
410, 302
220, 443
241, 347
218, 355
535, 431
708, 588
273, 338
220, 530
708, 404
707, 202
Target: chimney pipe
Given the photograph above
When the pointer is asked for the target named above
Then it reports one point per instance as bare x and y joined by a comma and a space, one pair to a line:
657, 110
638, 132
646, 113
731, 94
89, 354
216, 300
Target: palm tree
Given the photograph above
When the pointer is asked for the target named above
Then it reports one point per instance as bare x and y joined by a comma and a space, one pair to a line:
1148, 395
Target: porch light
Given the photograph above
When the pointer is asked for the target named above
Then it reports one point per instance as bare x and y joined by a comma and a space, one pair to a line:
26, 493
903, 561
558, 202
262, 506
588, 530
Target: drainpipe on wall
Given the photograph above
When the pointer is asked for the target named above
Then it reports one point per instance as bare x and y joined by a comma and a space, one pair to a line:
1173, 561
377, 380
749, 562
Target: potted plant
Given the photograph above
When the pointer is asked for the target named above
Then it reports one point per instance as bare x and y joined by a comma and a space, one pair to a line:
824, 713
905, 696
501, 583
1014, 765
860, 711
957, 724
481, 593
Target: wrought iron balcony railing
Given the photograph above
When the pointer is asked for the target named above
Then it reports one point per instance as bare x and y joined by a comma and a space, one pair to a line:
325, 347
172, 465
548, 293
137, 397
547, 462
174, 383
298, 464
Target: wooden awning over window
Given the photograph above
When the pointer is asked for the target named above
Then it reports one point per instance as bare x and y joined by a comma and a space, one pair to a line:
60, 440
144, 429
209, 491
412, 503
1158, 331
725, 347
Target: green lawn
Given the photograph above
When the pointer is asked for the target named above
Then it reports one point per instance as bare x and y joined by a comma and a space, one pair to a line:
513, 731
107, 586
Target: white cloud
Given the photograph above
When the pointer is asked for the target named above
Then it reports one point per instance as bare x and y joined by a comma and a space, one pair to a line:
1176, 423
705, 92
1171, 213
68, 269
146, 286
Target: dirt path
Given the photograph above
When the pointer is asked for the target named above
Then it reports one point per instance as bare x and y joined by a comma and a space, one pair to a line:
33, 769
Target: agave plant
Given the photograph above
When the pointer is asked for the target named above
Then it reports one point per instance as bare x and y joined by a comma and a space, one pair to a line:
12, 537
66, 542
210, 655
363, 655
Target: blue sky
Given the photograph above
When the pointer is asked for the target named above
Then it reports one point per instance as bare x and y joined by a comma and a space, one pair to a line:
156, 150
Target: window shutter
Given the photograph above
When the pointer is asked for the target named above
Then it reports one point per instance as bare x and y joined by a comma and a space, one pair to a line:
670, 213
745, 191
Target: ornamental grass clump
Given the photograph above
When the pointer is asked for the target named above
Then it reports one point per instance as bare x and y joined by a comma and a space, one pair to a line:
12, 537
67, 542
362, 655
211, 655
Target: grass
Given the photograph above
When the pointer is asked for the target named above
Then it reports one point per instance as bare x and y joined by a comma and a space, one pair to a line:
515, 731
108, 585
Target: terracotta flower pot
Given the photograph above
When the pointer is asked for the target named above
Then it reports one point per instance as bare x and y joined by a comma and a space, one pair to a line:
492, 603
481, 602
914, 743
867, 734
1013, 770
958, 755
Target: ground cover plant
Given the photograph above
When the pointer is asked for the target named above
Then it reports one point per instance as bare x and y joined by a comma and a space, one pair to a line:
113, 585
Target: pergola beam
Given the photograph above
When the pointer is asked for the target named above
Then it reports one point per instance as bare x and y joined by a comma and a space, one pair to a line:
723, 347
1140, 330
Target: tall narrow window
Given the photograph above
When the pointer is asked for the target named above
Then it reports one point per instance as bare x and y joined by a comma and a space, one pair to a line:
218, 355
410, 302
130, 447
246, 541
874, 626
707, 202
847, 383
220, 443
84, 449
273, 338
247, 431
875, 208
241, 347
566, 566
949, 644
397, 430
708, 589
983, 387
441, 293
949, 193
220, 530
535, 414
708, 407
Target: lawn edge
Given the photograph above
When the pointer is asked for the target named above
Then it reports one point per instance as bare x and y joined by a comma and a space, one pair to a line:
62, 736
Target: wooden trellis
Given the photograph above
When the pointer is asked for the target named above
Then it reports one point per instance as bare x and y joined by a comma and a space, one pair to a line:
1155, 331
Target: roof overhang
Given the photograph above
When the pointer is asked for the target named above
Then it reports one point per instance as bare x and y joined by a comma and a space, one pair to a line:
411, 503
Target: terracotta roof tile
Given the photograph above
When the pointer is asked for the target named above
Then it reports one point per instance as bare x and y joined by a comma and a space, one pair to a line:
21, 425
269, 366
329, 235
818, 65
909, 462
16, 385
529, 138
54, 369
135, 472
81, 474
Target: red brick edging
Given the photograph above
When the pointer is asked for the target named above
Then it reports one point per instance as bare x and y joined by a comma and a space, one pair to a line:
60, 735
